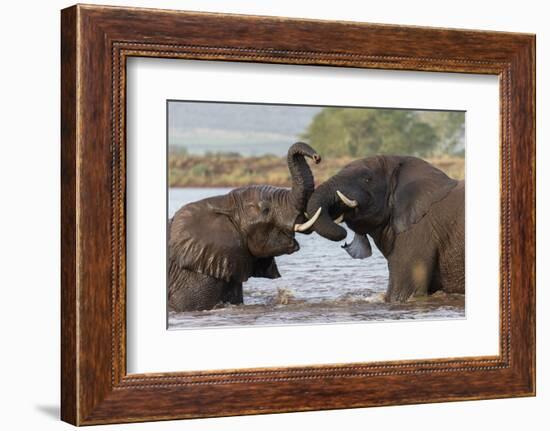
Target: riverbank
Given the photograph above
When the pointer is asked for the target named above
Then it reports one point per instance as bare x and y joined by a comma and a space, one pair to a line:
234, 171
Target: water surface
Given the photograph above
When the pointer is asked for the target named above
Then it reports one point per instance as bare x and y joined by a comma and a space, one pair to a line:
319, 284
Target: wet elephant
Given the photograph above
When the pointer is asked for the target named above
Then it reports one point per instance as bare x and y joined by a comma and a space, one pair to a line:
414, 213
217, 243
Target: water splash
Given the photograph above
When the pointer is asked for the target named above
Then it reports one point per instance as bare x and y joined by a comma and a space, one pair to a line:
284, 296
319, 284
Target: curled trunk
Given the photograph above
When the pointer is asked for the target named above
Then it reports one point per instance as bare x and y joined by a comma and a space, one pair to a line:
302, 178
325, 197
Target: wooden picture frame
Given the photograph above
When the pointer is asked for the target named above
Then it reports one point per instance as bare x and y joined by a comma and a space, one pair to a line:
95, 43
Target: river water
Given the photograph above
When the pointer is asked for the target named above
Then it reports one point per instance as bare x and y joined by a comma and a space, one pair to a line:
320, 283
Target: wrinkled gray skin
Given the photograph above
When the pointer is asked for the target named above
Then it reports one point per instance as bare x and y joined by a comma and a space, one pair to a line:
412, 211
217, 243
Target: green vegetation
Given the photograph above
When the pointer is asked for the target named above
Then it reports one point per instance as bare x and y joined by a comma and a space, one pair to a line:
337, 132
340, 135
230, 170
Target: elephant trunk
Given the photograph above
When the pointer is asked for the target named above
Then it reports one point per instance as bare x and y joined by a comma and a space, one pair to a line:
325, 198
302, 178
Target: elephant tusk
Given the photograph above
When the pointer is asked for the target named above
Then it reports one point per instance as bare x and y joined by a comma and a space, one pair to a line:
350, 203
305, 226
339, 219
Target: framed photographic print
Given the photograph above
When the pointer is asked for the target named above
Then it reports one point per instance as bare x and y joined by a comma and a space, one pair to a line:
264, 214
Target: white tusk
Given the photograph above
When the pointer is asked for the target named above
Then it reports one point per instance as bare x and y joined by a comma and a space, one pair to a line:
305, 226
350, 203
339, 219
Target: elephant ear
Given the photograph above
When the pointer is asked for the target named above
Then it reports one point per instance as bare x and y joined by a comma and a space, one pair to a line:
416, 185
266, 267
204, 239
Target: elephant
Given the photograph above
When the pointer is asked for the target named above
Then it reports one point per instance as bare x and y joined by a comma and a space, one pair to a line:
414, 213
217, 243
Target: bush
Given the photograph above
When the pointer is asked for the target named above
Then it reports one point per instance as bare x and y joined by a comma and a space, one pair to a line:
363, 132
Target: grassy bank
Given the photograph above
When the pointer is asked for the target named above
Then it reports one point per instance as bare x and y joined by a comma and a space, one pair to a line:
234, 171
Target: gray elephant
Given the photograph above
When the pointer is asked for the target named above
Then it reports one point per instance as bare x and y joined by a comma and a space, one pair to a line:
217, 243
412, 211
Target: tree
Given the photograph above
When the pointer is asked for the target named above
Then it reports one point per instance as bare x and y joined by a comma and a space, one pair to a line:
449, 127
359, 132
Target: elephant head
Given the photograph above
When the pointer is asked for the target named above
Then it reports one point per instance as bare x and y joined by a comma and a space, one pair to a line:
381, 196
237, 235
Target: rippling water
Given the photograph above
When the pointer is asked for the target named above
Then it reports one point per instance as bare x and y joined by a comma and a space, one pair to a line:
319, 284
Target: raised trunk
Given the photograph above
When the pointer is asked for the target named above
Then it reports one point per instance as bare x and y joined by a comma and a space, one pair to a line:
324, 198
302, 178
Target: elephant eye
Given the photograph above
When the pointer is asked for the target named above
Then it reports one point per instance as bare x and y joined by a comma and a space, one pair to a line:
367, 180
265, 208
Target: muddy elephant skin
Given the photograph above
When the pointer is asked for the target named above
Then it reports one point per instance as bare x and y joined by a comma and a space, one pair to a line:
217, 243
414, 213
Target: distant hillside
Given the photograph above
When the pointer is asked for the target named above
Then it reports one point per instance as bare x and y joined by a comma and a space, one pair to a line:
256, 130
248, 129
